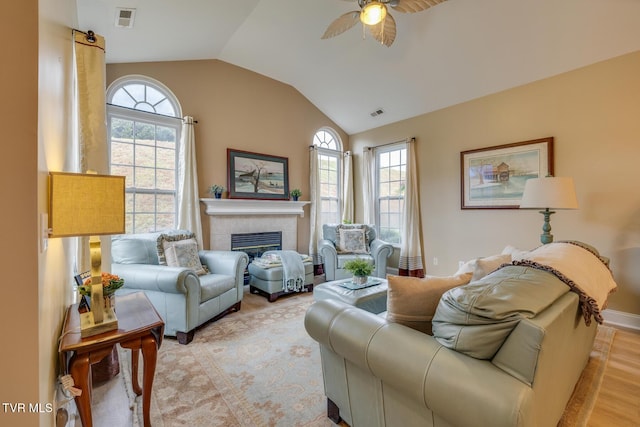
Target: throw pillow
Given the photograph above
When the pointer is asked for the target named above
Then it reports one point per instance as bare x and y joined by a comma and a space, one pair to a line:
165, 240
351, 240
412, 301
184, 253
480, 267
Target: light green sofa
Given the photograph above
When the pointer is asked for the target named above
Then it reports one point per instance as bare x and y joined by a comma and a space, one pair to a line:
183, 299
525, 362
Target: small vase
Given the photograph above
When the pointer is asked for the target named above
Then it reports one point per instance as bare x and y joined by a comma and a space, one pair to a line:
217, 195
110, 302
360, 280
295, 198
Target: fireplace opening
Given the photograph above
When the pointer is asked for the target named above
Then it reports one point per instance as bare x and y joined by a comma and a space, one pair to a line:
255, 244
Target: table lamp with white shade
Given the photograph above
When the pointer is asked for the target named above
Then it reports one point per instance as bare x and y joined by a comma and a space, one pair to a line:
549, 193
88, 205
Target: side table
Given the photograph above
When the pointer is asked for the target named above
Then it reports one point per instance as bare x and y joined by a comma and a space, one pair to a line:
140, 327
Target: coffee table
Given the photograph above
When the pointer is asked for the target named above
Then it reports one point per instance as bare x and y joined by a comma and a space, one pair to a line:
372, 298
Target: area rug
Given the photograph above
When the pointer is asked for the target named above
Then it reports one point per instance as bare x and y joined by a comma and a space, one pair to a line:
258, 367
580, 406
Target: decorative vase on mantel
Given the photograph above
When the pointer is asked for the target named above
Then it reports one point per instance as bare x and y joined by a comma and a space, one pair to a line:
216, 190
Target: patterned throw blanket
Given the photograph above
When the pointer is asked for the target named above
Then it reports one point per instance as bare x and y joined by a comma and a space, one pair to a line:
580, 269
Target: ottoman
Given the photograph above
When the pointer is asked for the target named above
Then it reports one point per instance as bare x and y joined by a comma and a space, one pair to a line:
371, 298
268, 281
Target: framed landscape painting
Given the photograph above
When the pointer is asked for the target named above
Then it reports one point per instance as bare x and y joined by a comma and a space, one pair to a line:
494, 177
257, 176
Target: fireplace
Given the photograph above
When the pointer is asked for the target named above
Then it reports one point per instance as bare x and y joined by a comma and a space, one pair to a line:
255, 244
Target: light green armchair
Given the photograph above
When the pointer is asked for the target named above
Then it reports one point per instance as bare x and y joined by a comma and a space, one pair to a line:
344, 242
184, 299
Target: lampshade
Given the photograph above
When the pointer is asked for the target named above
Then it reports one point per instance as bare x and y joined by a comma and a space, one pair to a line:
88, 205
549, 192
85, 204
373, 13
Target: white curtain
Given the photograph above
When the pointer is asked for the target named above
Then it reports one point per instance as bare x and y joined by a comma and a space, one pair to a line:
347, 187
410, 262
90, 114
368, 185
315, 227
187, 194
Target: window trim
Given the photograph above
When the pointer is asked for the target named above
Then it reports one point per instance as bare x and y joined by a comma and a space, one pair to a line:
396, 146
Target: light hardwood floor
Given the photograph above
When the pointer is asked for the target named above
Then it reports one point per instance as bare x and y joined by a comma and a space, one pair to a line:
618, 403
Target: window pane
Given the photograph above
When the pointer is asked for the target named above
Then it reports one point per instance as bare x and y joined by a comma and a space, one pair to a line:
144, 223
145, 156
126, 171
122, 98
145, 134
145, 203
165, 221
165, 179
145, 178
165, 203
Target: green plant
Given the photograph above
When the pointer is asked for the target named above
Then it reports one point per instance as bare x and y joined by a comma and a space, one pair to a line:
296, 193
216, 189
358, 267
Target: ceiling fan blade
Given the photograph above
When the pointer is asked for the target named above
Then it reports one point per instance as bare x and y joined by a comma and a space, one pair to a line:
342, 24
412, 6
385, 31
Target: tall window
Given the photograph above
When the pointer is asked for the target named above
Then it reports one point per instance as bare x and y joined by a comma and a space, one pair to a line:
143, 126
391, 166
329, 163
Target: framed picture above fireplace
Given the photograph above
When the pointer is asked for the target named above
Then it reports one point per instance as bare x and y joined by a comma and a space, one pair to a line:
257, 176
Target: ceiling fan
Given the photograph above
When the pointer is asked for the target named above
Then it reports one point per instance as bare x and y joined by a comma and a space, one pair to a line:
374, 15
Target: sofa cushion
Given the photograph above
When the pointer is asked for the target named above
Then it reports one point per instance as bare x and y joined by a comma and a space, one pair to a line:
184, 253
135, 249
412, 301
476, 319
166, 240
214, 285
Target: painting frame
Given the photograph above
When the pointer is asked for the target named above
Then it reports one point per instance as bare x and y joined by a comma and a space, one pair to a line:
493, 177
245, 179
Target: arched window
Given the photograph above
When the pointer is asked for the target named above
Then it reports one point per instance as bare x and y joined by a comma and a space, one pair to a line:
330, 165
143, 130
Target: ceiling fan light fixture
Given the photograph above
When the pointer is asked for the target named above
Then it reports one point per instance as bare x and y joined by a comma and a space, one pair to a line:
373, 13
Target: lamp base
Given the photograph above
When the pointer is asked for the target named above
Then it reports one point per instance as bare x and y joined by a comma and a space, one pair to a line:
89, 328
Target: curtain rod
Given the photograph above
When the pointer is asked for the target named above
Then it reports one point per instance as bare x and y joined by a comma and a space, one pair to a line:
413, 138
90, 35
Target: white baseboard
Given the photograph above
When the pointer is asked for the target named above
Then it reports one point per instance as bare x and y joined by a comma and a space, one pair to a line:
620, 319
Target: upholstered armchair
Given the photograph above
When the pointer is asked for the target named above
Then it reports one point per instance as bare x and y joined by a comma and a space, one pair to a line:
344, 242
186, 286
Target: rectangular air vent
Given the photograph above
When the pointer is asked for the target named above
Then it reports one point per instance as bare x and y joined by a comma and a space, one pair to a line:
125, 17
377, 112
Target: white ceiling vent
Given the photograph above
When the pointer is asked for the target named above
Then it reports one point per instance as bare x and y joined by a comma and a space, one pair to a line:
125, 17
377, 112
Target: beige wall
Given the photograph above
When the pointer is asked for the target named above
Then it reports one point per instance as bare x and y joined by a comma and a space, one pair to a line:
237, 108
19, 302
593, 114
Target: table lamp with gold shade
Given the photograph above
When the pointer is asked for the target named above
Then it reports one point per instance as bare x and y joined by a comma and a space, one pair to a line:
89, 205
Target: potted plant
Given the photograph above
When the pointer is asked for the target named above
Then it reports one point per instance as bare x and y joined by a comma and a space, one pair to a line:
295, 193
216, 190
360, 269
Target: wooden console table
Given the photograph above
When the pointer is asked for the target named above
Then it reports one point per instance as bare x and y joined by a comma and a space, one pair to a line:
140, 327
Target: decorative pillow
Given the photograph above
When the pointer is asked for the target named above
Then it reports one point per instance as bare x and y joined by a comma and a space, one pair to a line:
184, 253
480, 267
351, 239
412, 301
166, 240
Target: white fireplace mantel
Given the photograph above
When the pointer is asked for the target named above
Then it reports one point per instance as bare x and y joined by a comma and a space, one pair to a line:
253, 207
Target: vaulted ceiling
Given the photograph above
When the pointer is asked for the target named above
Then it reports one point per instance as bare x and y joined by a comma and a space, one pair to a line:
453, 52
